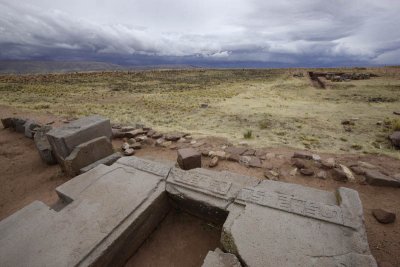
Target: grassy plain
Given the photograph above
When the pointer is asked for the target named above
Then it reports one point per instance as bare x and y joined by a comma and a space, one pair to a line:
275, 107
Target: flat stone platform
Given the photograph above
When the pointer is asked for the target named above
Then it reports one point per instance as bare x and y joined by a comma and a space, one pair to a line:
111, 210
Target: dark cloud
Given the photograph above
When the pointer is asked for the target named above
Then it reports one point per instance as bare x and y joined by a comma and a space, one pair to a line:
216, 33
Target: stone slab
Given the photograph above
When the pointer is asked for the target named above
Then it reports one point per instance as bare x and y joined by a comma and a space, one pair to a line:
43, 145
106, 161
64, 139
375, 177
30, 126
119, 206
87, 153
218, 258
279, 224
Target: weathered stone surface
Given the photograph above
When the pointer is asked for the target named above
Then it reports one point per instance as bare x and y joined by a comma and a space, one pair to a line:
249, 152
106, 161
299, 163
309, 227
255, 162
129, 152
188, 158
235, 150
271, 175
30, 127
339, 175
349, 175
173, 136
302, 155
384, 216
19, 125
64, 139
395, 139
43, 145
375, 177
220, 154
112, 212
86, 154
358, 170
218, 258
234, 157
322, 175
328, 163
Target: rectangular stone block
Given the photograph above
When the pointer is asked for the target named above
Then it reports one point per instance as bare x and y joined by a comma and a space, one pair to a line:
107, 219
188, 159
64, 139
87, 153
106, 161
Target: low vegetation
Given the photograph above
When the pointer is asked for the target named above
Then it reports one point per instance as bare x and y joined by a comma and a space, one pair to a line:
278, 108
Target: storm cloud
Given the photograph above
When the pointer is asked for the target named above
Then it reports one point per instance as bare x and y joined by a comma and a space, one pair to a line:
219, 32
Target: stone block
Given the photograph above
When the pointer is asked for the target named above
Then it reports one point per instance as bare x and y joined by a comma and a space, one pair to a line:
375, 177
19, 125
188, 158
30, 128
64, 139
281, 224
8, 123
43, 145
86, 154
106, 222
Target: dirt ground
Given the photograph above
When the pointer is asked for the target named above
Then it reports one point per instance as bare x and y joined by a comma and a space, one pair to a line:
24, 178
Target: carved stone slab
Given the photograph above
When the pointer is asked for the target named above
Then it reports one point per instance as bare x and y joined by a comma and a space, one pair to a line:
145, 165
281, 224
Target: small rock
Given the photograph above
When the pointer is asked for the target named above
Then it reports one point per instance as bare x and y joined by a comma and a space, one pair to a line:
127, 128
293, 172
234, 157
205, 153
150, 133
135, 146
131, 141
129, 152
348, 122
243, 143
322, 175
193, 142
244, 160
7, 123
157, 135
384, 216
271, 175
302, 155
316, 157
204, 105
181, 140
270, 156
213, 162
396, 112
198, 144
235, 150
357, 170
249, 152
379, 123
348, 173
166, 144
141, 138
134, 133
328, 163
299, 163
219, 154
173, 136
307, 172
125, 146
159, 141
255, 162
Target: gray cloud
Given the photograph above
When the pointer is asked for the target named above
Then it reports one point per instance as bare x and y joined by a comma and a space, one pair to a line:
303, 32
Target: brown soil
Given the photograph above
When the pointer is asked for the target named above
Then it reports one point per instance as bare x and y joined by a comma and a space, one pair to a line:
180, 240
24, 178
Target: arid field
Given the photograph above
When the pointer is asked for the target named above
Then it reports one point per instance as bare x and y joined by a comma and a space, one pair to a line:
270, 107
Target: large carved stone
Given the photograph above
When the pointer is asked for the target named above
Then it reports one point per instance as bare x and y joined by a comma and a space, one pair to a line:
64, 139
280, 224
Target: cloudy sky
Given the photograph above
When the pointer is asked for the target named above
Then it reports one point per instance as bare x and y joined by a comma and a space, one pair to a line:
211, 32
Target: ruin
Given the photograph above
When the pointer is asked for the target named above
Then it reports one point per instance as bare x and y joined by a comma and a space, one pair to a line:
110, 210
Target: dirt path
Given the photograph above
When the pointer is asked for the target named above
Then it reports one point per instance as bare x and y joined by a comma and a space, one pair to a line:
24, 178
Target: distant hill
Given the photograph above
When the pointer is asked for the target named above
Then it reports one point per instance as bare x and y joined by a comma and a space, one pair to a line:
27, 66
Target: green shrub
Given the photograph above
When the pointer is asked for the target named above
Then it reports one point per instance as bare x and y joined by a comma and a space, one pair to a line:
248, 134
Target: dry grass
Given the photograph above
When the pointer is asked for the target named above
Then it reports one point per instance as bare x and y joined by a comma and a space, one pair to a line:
277, 108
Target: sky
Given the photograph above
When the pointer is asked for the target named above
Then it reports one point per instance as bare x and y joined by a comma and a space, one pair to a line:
240, 33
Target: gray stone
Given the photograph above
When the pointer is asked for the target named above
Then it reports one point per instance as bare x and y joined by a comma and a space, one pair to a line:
375, 177
8, 123
281, 224
328, 163
43, 145
188, 158
219, 154
322, 175
302, 155
30, 128
64, 139
307, 172
86, 154
339, 175
129, 152
235, 150
106, 161
384, 216
349, 175
214, 162
255, 162
395, 139
110, 216
218, 258
19, 125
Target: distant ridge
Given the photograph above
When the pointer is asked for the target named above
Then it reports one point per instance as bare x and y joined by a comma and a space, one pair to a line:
30, 66
41, 67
